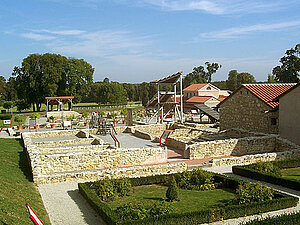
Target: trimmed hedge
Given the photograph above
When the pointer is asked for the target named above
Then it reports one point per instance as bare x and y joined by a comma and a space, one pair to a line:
247, 171
221, 212
5, 116
278, 220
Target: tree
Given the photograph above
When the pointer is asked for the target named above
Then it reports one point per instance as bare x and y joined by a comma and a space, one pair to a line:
172, 191
271, 78
111, 92
236, 79
51, 75
289, 71
199, 75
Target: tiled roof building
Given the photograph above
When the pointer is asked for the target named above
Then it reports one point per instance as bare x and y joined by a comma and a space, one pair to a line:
251, 107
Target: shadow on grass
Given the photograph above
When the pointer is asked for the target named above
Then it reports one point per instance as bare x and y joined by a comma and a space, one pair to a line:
24, 164
87, 212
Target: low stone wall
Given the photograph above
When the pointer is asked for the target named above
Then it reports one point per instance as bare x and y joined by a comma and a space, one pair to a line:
153, 130
81, 148
249, 159
61, 143
115, 173
177, 144
241, 146
142, 134
99, 159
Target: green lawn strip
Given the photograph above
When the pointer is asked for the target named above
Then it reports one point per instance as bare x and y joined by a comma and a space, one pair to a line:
189, 200
292, 173
16, 188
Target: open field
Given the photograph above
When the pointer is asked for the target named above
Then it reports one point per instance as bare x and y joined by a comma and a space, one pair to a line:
16, 188
189, 200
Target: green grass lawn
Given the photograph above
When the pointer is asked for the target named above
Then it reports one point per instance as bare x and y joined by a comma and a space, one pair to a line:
189, 200
16, 188
292, 173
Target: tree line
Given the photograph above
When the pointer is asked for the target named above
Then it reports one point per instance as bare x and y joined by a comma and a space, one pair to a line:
56, 75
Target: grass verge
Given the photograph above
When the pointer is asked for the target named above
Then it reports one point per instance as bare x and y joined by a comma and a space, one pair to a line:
17, 189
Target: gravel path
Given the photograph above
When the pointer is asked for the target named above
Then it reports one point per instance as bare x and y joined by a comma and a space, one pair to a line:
65, 205
227, 170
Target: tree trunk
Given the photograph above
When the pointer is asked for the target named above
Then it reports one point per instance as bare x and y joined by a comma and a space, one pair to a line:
33, 107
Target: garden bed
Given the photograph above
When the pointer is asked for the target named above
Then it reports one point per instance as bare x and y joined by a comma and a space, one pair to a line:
285, 173
203, 197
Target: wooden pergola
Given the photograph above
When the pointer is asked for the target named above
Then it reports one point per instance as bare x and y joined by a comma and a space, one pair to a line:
59, 101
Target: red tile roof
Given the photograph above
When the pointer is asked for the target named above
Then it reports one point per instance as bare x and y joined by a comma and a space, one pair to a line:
269, 91
198, 99
194, 87
178, 99
222, 97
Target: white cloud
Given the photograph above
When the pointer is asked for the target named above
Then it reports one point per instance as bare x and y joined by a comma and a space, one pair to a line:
61, 32
37, 37
221, 6
239, 31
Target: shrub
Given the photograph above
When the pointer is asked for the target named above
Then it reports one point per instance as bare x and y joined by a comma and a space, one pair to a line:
196, 180
18, 119
172, 191
160, 209
85, 114
278, 220
122, 187
109, 190
5, 116
106, 190
8, 104
267, 168
35, 115
250, 193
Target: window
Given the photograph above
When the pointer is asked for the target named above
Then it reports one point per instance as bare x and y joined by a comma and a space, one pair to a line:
273, 121
208, 88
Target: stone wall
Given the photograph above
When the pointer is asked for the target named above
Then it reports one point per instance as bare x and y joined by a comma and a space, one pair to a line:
142, 134
100, 159
249, 159
245, 111
114, 173
241, 146
61, 143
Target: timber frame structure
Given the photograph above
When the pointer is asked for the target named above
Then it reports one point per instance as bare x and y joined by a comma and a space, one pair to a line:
59, 101
166, 103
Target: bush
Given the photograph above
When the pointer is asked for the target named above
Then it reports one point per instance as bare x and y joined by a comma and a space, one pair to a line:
109, 190
18, 119
172, 191
5, 116
196, 180
8, 104
266, 168
250, 193
35, 116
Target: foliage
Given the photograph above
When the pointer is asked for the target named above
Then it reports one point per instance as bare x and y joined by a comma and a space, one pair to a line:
196, 180
22, 105
248, 171
110, 92
124, 111
271, 78
8, 104
18, 119
51, 75
280, 201
172, 191
109, 190
5, 116
267, 168
278, 220
85, 114
289, 71
236, 79
137, 211
51, 118
220, 84
35, 116
199, 75
249, 193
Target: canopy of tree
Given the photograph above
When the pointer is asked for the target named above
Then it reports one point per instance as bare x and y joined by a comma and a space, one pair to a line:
200, 75
52, 75
289, 71
236, 79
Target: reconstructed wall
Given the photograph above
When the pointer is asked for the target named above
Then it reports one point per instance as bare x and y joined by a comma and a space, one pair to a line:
248, 159
245, 111
239, 146
115, 173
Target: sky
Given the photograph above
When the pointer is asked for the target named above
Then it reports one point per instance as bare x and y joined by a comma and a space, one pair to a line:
142, 40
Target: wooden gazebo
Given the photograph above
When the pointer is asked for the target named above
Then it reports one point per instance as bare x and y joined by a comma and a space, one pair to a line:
60, 101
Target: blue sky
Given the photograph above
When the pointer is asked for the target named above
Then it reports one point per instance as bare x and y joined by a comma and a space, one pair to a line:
142, 40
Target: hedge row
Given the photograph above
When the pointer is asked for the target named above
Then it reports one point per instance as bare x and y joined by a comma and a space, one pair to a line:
278, 220
5, 116
214, 214
289, 163
254, 174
